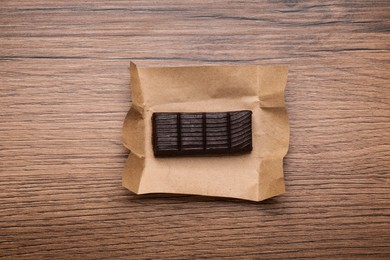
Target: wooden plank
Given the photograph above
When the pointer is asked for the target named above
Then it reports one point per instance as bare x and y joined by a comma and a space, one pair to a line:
64, 92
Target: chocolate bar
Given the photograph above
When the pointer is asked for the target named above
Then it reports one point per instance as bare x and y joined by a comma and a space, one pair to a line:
176, 134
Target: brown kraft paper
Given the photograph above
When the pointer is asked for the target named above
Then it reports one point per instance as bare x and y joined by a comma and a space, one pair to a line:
253, 176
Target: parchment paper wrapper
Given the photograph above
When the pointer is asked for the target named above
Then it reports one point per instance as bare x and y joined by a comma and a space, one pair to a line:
254, 176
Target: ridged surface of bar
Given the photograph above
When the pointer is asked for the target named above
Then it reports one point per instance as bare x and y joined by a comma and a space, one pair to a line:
177, 134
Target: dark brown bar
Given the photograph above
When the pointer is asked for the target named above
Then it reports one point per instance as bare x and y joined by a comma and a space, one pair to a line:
176, 134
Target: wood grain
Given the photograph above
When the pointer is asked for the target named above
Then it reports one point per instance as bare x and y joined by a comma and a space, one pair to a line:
64, 92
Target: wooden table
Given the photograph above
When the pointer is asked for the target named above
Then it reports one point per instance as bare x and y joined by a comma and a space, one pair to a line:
64, 92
